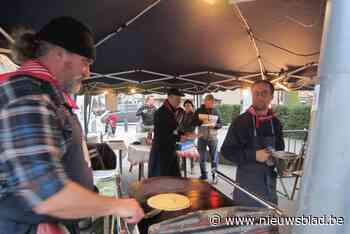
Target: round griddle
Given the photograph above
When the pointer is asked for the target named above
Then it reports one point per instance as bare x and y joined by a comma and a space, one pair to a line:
201, 194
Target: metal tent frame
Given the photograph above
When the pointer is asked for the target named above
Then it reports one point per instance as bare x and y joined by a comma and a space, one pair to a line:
197, 82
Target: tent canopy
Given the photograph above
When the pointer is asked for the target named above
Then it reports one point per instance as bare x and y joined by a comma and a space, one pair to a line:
193, 45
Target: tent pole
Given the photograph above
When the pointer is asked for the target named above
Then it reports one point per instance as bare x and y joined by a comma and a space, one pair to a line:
120, 28
87, 101
7, 36
325, 187
251, 38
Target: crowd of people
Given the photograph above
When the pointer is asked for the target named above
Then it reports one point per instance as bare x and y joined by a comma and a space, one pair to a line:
45, 178
174, 126
249, 142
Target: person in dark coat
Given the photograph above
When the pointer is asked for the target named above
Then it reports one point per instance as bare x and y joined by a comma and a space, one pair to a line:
248, 144
163, 160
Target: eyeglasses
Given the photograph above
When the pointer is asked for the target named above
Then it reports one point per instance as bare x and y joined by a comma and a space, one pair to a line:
263, 94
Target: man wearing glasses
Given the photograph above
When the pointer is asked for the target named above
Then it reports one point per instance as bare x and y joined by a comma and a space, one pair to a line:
248, 144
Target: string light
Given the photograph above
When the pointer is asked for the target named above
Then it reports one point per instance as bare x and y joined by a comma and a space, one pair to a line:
132, 90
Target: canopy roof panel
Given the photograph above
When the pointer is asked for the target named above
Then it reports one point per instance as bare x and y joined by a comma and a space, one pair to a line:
174, 38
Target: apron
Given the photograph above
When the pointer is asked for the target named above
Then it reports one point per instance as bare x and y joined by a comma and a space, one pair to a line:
258, 178
75, 165
19, 217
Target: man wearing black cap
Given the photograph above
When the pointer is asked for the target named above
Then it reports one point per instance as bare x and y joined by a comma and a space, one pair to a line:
44, 176
163, 160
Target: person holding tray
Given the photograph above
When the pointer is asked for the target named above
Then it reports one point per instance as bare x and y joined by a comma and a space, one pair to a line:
207, 117
249, 143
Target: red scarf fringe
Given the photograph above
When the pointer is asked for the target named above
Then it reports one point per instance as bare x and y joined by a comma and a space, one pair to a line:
35, 69
259, 119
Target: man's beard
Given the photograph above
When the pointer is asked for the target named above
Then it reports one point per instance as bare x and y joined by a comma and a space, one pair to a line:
260, 107
73, 86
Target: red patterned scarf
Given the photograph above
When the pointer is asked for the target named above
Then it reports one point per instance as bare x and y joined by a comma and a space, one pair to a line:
167, 104
259, 119
35, 69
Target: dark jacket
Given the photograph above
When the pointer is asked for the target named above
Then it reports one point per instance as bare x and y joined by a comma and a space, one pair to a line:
163, 160
147, 114
187, 123
240, 148
205, 132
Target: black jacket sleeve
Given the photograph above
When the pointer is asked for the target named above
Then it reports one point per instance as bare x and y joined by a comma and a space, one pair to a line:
164, 128
236, 147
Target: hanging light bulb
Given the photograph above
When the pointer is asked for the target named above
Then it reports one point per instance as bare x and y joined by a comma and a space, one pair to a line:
132, 90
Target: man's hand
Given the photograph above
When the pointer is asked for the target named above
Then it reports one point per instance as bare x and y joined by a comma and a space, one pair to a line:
262, 155
74, 202
130, 210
